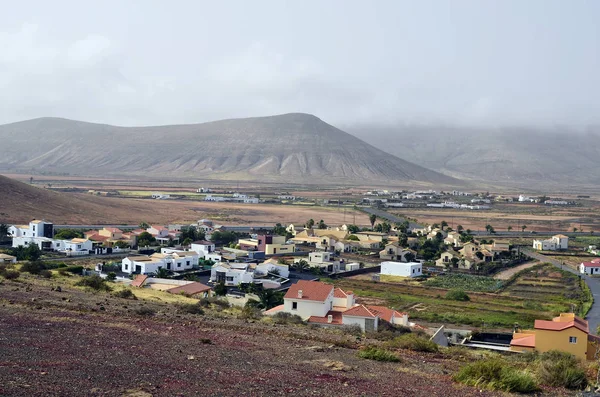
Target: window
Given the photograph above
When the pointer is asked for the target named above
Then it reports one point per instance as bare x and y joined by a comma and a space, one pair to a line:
126, 267
572, 339
187, 263
178, 264
294, 305
229, 278
413, 271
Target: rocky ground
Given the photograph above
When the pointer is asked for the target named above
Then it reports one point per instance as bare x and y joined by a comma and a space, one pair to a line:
75, 342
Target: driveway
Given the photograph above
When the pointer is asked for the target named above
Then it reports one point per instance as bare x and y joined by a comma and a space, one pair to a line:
593, 316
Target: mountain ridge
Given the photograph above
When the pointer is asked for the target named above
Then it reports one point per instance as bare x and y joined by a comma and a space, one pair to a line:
292, 145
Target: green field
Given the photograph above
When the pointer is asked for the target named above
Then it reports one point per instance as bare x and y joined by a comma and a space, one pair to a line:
465, 282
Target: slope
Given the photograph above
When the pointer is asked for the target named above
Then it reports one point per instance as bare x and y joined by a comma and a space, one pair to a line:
287, 147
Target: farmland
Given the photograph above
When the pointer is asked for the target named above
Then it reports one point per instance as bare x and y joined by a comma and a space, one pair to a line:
517, 301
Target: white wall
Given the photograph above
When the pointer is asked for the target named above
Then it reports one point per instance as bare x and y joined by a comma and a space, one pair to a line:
410, 269
308, 308
360, 321
589, 270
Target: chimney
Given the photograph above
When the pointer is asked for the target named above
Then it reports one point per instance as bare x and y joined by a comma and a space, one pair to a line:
299, 294
329, 319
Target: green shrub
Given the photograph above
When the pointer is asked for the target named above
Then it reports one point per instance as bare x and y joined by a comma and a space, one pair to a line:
33, 267
145, 311
112, 276
10, 274
561, 369
125, 294
354, 330
387, 331
496, 374
45, 273
457, 295
412, 342
191, 308
374, 353
217, 303
250, 312
94, 282
287, 318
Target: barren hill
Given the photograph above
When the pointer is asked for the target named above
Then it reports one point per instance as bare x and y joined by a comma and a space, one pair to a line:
289, 147
524, 157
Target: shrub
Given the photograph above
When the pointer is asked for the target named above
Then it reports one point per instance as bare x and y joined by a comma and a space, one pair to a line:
215, 302
412, 342
387, 331
457, 295
73, 269
10, 274
145, 311
191, 308
354, 330
220, 289
250, 312
94, 282
287, 318
112, 276
496, 374
46, 273
561, 369
374, 353
34, 267
125, 294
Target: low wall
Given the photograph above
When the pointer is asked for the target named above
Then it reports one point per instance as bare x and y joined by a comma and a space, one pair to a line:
365, 270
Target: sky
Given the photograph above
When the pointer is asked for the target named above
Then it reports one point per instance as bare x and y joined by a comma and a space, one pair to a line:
476, 63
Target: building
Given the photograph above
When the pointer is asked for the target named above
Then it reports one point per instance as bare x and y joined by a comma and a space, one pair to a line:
394, 251
231, 274
322, 304
323, 260
35, 229
567, 333
267, 243
203, 247
173, 261
591, 268
4, 258
400, 269
273, 267
556, 243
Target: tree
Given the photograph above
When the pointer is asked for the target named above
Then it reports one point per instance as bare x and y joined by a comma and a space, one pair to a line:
459, 229
322, 224
3, 231
144, 225
409, 257
444, 224
403, 240
145, 239
220, 289
574, 229
187, 242
310, 223
68, 234
509, 228
269, 298
352, 237
372, 219
479, 255
121, 244
385, 227
279, 230
454, 261
490, 229
301, 265
353, 229
162, 273
523, 228
224, 237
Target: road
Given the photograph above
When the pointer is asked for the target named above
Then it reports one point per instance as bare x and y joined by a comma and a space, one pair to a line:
232, 228
593, 316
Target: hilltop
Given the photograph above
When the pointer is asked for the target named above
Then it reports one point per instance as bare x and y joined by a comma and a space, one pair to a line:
292, 147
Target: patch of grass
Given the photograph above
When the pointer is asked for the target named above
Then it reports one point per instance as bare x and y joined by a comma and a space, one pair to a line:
465, 282
10, 274
374, 353
94, 282
145, 311
125, 294
191, 308
286, 318
412, 342
561, 369
496, 374
457, 295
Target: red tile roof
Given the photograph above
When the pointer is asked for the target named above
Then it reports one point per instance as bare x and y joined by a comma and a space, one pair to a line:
339, 293
113, 229
336, 318
139, 280
524, 341
311, 290
97, 237
594, 263
359, 311
579, 323
190, 289
385, 313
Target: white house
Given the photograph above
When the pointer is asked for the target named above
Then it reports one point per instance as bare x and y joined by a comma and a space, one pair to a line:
272, 266
309, 299
591, 268
401, 269
203, 247
231, 274
77, 245
557, 242
324, 260
173, 261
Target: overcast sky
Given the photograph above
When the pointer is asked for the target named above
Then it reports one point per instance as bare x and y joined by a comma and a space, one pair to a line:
164, 62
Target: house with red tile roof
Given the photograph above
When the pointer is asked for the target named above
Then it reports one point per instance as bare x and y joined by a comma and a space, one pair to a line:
567, 333
592, 267
321, 303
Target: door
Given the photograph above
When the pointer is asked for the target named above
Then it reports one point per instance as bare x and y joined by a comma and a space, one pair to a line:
169, 266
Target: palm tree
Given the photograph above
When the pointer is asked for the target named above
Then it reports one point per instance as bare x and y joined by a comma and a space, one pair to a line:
509, 228
372, 219
444, 224
187, 242
301, 265
310, 223
162, 273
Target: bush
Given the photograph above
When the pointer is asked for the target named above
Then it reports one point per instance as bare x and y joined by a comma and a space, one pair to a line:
496, 374
125, 294
250, 312
561, 369
215, 302
46, 273
145, 311
73, 269
387, 331
374, 353
94, 282
191, 308
412, 342
287, 318
34, 267
220, 289
457, 295
354, 330
10, 274
112, 276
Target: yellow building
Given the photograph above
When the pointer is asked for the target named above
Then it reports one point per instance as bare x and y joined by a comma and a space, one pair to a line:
567, 333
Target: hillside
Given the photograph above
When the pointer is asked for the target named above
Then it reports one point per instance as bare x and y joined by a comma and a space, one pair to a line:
530, 158
290, 147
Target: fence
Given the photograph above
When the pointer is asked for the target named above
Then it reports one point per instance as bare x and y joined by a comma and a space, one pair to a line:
364, 270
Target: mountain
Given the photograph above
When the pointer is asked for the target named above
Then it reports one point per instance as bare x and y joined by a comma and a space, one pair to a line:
291, 147
524, 157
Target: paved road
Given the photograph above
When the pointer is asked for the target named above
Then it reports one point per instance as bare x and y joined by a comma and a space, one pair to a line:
593, 315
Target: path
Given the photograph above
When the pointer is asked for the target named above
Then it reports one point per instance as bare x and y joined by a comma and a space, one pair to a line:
593, 316
508, 273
